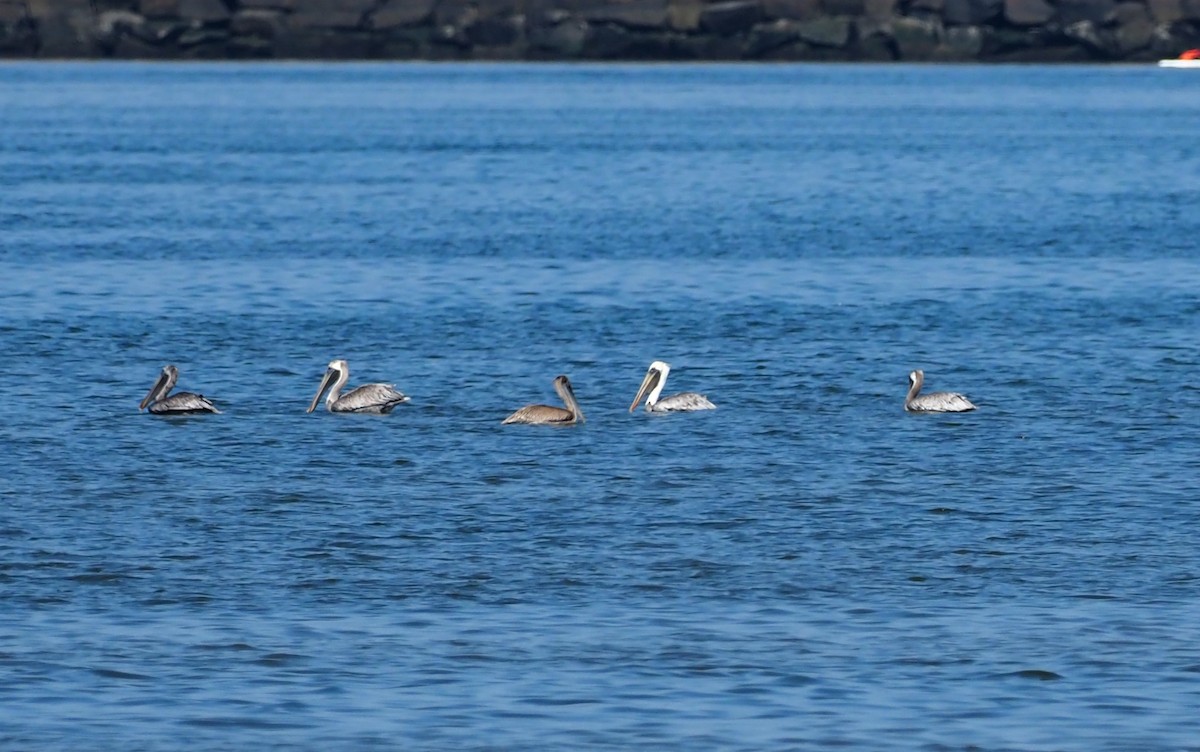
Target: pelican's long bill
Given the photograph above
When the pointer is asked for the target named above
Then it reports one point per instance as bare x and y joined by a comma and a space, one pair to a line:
652, 377
161, 386
327, 380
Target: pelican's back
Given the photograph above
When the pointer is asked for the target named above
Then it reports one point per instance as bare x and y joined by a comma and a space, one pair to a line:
939, 402
183, 403
682, 402
541, 414
369, 398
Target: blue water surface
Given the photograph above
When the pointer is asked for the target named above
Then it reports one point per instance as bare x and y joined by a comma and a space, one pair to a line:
806, 567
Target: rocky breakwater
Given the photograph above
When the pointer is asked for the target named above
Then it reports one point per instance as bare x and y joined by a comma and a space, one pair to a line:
876, 30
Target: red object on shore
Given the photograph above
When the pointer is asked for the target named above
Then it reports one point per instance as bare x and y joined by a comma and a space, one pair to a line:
1192, 54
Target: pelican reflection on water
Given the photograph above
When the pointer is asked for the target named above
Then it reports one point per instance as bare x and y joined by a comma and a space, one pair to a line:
549, 415
368, 398
183, 403
652, 386
934, 402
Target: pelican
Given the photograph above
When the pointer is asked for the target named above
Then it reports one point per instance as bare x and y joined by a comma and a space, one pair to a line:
183, 403
655, 380
934, 402
368, 398
551, 415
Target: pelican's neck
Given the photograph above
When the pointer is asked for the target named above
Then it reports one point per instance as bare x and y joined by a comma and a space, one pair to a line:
158, 390
166, 382
656, 392
915, 380
567, 395
335, 392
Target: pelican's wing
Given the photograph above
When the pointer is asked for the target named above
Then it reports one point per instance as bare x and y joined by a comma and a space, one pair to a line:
941, 402
684, 402
541, 414
183, 403
369, 398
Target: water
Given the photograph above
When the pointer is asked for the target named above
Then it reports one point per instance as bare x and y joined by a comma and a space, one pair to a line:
806, 567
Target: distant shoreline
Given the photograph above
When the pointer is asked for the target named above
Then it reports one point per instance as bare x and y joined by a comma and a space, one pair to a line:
984, 31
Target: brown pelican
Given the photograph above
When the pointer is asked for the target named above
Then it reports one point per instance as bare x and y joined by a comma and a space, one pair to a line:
368, 398
182, 403
655, 380
551, 415
934, 402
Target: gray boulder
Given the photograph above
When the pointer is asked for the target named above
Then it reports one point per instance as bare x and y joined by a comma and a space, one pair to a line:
400, 13
972, 12
18, 35
796, 10
401, 43
684, 15
563, 40
637, 14
709, 47
1028, 12
916, 39
961, 43
204, 11
65, 28
606, 42
479, 9
1169, 41
493, 32
111, 25
264, 24
202, 36
1134, 36
288, 5
1095, 11
1165, 11
130, 47
879, 9
158, 8
1089, 36
325, 44
877, 47
1135, 28
852, 8
767, 37
925, 8
729, 18
330, 14
829, 31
